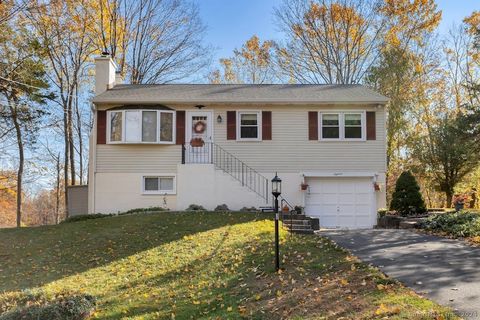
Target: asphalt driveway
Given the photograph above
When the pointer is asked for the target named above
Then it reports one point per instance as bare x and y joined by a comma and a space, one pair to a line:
446, 271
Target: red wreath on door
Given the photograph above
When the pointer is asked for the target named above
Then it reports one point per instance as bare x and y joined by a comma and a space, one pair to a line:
199, 127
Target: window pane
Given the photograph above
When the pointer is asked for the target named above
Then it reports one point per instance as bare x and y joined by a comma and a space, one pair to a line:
151, 184
353, 119
133, 126
116, 126
166, 184
149, 127
249, 132
249, 119
353, 132
166, 126
330, 119
330, 132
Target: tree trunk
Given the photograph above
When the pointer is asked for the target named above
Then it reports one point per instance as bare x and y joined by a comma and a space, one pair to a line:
13, 110
57, 191
80, 138
65, 169
449, 195
70, 142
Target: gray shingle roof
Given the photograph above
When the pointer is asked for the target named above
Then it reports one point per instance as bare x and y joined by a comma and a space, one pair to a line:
227, 93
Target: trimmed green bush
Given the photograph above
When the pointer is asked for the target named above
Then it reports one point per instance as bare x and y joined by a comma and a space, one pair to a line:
458, 224
222, 207
140, 210
195, 207
83, 217
32, 306
407, 199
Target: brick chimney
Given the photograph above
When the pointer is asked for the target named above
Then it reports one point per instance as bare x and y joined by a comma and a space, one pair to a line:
104, 73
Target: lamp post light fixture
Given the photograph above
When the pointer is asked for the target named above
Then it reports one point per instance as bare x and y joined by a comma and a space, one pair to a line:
276, 191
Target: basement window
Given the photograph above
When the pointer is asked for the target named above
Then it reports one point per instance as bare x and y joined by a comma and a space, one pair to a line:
141, 126
159, 185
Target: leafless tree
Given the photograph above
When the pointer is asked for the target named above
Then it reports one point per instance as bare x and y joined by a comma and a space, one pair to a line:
165, 41
329, 41
63, 33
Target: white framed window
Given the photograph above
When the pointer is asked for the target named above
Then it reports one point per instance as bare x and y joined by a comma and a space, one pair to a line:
344, 125
152, 184
115, 124
249, 125
330, 124
141, 126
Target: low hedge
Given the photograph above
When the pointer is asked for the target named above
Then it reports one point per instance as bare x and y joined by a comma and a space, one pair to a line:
82, 217
458, 224
33, 306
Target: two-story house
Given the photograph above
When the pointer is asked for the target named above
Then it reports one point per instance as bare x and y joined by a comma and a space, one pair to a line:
174, 145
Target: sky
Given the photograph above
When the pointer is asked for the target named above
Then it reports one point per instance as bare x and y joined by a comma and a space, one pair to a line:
231, 22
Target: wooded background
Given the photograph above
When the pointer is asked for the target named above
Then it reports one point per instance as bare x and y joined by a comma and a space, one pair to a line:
393, 46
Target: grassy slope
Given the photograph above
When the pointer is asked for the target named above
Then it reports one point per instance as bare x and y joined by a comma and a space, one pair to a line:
200, 266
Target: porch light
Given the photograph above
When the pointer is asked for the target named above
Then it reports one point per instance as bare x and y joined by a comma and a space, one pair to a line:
276, 191
219, 119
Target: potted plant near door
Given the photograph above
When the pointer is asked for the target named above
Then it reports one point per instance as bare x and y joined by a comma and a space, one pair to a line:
197, 142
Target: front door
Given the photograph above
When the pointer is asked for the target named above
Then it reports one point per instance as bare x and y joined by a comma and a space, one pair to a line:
199, 137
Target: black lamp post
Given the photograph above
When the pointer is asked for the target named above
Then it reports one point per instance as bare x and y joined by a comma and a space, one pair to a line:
276, 191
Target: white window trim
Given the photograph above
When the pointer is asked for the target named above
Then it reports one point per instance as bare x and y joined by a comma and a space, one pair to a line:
124, 127
341, 119
259, 125
160, 192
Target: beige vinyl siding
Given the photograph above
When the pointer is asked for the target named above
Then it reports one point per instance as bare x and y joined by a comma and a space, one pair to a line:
291, 151
138, 158
288, 151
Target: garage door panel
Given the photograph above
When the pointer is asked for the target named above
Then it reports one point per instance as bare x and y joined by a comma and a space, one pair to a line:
348, 198
329, 221
363, 198
345, 209
363, 209
346, 221
341, 202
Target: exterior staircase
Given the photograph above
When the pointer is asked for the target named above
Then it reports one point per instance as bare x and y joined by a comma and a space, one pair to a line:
296, 221
211, 153
299, 223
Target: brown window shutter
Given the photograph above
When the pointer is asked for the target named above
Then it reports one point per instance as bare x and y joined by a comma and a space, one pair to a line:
371, 131
266, 125
180, 127
101, 127
312, 125
231, 125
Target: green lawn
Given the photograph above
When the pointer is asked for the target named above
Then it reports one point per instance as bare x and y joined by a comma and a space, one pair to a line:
199, 266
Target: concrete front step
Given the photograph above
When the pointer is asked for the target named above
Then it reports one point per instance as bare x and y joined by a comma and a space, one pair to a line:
300, 222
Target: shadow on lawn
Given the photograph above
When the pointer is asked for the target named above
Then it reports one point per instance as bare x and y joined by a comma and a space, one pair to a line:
211, 266
31, 257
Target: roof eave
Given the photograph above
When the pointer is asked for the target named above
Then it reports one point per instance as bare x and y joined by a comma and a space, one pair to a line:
271, 102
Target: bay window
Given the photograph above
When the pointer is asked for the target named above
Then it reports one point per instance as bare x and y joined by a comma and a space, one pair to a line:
342, 125
116, 128
141, 126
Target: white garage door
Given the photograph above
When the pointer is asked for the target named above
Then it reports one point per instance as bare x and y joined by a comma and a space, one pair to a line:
341, 202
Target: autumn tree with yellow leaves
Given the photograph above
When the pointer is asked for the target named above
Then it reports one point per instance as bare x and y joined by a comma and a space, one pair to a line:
253, 63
